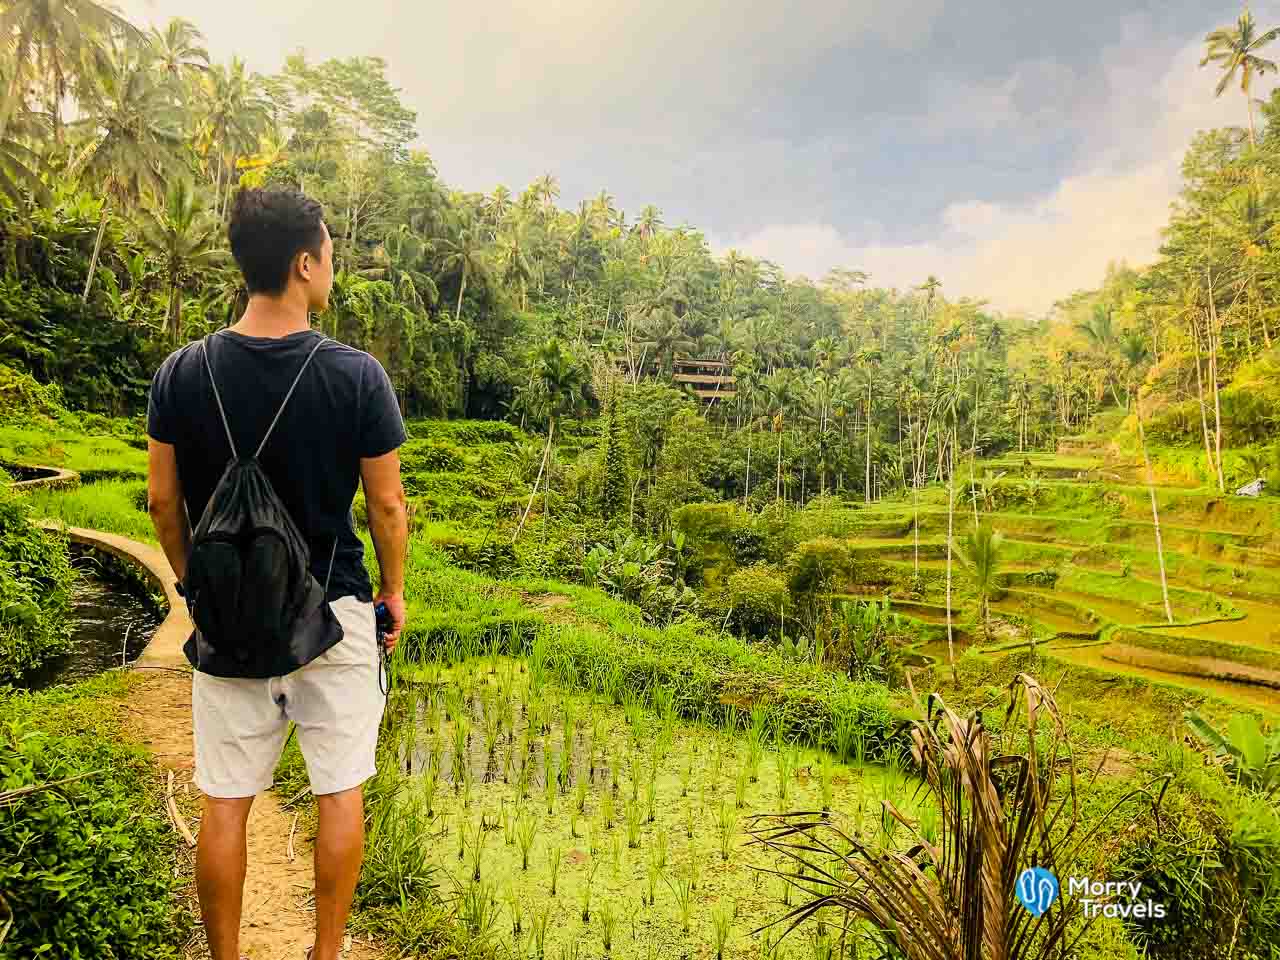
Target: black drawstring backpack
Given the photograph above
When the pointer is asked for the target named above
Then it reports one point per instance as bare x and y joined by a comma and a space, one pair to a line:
258, 610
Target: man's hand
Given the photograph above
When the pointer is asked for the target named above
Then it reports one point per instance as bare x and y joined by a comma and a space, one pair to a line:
395, 607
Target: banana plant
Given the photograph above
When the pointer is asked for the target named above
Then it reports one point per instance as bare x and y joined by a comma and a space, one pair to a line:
1250, 757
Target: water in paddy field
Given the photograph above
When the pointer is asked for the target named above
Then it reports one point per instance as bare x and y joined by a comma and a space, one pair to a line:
104, 613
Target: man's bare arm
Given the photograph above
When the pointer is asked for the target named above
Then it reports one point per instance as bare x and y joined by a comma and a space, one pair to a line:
167, 507
389, 528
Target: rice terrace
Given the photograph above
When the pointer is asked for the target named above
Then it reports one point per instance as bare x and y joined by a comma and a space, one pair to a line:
753, 610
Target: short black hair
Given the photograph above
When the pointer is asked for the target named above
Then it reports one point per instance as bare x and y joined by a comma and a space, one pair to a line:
268, 229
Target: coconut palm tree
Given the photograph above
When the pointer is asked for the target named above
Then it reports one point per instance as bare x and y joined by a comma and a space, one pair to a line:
183, 237
780, 392
20, 166
547, 190
665, 334
513, 262
979, 551
649, 223
498, 206
50, 39
1235, 50
465, 254
234, 117
133, 133
179, 53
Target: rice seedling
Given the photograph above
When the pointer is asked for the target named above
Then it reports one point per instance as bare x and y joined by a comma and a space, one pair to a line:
549, 789
634, 817
516, 906
574, 819
652, 876
695, 865
492, 727
607, 812
477, 908
538, 932
615, 854
467, 783
721, 922
755, 740
462, 840
557, 859
823, 948
580, 796
593, 838
608, 920
568, 719
740, 787
826, 771
508, 824
526, 833
565, 773
525, 776
651, 796
686, 776
584, 896
429, 784
475, 846
783, 759
459, 750
633, 768
682, 890
727, 827
688, 820
660, 848
570, 950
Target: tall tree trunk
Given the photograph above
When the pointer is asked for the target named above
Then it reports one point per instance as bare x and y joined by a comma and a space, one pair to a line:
461, 289
1213, 377
951, 512
868, 491
1204, 417
1155, 515
546, 453
93, 260
746, 487
778, 493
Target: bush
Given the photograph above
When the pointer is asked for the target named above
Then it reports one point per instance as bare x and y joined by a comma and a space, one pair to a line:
86, 868
35, 585
431, 455
22, 397
759, 601
817, 566
492, 554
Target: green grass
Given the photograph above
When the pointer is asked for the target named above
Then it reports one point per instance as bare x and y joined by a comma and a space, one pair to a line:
116, 506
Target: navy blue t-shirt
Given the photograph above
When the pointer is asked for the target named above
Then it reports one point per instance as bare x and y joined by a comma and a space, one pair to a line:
343, 409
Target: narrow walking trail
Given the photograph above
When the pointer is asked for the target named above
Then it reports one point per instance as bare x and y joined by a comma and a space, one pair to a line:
278, 919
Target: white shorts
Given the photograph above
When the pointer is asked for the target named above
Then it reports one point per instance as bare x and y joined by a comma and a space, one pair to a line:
335, 701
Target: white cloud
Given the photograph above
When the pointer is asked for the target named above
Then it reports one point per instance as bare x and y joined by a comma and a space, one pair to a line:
1024, 256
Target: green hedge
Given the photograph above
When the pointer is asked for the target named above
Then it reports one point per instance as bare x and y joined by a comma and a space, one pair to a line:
87, 866
35, 589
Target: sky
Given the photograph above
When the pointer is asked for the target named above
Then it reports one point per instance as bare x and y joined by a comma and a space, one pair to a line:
1013, 150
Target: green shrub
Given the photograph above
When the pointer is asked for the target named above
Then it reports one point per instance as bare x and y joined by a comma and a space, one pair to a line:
759, 600
473, 550
431, 455
35, 584
818, 566
22, 396
86, 867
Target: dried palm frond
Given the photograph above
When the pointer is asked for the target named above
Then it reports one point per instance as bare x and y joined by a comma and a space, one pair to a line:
999, 815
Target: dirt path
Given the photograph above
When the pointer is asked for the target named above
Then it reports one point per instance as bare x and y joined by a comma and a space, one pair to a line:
279, 917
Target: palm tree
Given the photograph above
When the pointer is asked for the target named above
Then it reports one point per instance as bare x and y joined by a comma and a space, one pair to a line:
133, 134
183, 237
235, 115
20, 166
52, 37
560, 378
1236, 49
513, 263
649, 223
498, 205
466, 255
546, 189
979, 551
869, 363
780, 391
178, 52
665, 333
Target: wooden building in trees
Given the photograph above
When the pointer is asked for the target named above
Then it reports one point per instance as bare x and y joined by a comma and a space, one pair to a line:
710, 380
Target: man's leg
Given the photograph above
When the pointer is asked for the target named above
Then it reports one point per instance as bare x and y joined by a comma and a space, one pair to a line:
221, 859
339, 850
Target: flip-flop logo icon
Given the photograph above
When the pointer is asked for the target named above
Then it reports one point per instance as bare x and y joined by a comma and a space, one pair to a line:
1036, 889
